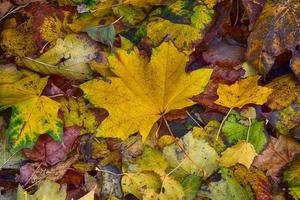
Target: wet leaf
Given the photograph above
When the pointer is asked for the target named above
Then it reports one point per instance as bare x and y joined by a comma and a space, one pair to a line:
243, 153
145, 96
243, 92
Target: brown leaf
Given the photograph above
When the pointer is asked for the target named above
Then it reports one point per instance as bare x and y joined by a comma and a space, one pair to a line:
224, 54
5, 6
253, 9
275, 32
278, 153
49, 152
256, 179
33, 172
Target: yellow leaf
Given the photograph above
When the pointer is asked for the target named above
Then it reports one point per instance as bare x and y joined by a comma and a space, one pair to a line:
32, 114
144, 91
9, 73
49, 190
242, 152
242, 92
182, 35
75, 51
90, 195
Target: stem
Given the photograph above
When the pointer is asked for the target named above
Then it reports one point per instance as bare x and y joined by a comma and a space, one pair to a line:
187, 112
248, 133
8, 159
221, 125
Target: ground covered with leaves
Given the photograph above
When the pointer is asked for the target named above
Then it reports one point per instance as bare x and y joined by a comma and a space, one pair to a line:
150, 99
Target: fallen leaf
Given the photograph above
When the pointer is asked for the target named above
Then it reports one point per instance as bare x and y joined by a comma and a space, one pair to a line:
242, 92
32, 114
9, 73
147, 2
138, 183
48, 190
48, 151
291, 177
103, 34
253, 9
68, 57
171, 189
130, 14
191, 186
139, 87
111, 182
202, 157
224, 54
5, 6
278, 153
284, 92
89, 196
237, 127
275, 32
158, 29
242, 152
226, 188
258, 181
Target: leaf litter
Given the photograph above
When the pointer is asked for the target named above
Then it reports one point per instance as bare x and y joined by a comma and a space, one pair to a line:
154, 99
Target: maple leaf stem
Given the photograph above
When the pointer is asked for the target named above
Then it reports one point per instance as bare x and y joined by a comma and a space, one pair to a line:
181, 147
222, 123
249, 128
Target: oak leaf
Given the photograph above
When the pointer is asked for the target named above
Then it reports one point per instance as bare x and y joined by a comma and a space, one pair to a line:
32, 113
243, 153
242, 92
144, 91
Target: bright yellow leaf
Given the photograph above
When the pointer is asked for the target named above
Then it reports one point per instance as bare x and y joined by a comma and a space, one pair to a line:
243, 152
144, 91
182, 35
242, 92
32, 114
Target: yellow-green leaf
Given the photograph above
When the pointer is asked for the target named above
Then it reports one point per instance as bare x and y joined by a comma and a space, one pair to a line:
68, 57
182, 35
32, 114
49, 190
243, 153
144, 91
242, 92
9, 73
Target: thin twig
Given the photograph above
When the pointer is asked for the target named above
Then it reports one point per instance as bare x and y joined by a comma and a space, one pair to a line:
187, 112
8, 159
13, 10
249, 128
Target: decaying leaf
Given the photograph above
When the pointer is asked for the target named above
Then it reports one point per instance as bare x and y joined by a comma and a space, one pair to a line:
278, 153
9, 74
284, 92
32, 113
243, 153
243, 92
202, 157
291, 176
150, 89
68, 57
276, 31
182, 35
48, 190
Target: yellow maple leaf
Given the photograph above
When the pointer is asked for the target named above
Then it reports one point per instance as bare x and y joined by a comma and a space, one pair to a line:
32, 113
243, 152
144, 91
242, 92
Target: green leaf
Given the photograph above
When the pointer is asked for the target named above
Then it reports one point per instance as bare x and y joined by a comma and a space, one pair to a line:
103, 34
131, 14
236, 128
292, 177
191, 185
